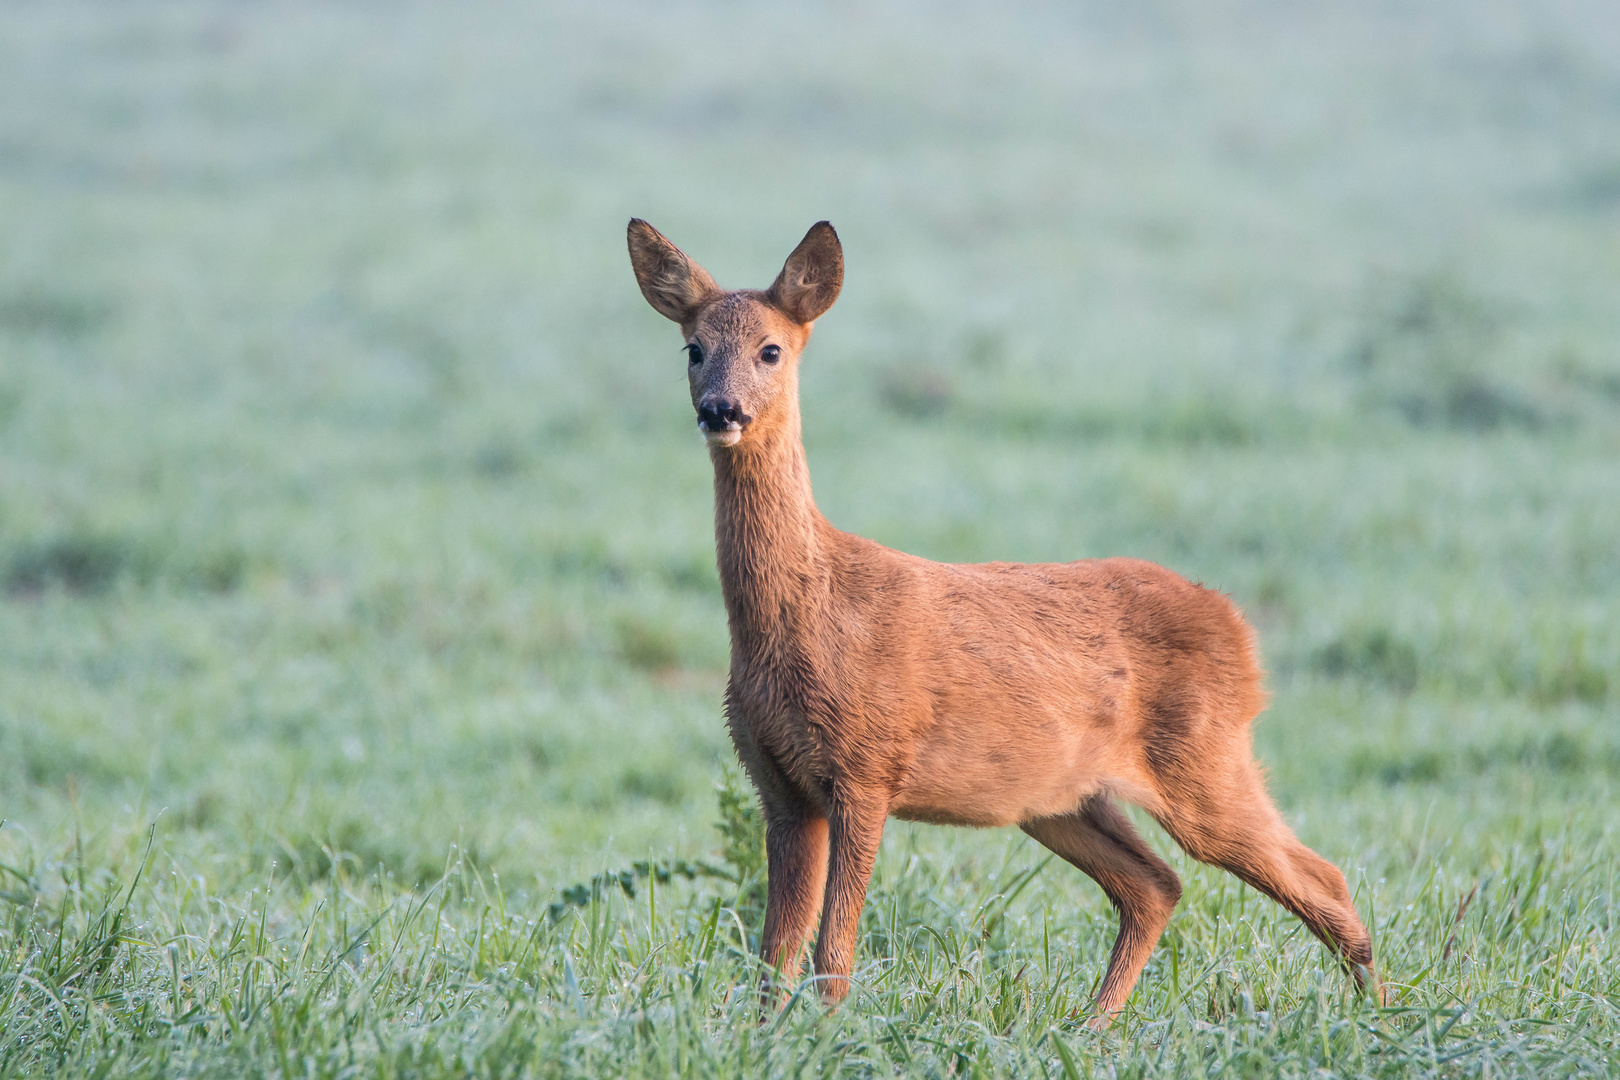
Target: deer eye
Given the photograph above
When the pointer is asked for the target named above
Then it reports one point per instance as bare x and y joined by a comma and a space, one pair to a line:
770, 354
694, 354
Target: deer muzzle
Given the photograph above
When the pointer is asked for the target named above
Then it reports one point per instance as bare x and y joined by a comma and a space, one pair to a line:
722, 421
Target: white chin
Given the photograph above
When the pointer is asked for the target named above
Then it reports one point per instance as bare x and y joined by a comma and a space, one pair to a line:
722, 438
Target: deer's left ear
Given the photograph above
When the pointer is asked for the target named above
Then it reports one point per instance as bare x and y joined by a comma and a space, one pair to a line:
811, 277
673, 284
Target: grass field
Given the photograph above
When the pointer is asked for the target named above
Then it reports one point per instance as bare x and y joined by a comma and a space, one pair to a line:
359, 625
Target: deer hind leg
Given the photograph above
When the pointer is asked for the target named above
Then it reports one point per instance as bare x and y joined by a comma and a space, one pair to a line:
1099, 840
1232, 823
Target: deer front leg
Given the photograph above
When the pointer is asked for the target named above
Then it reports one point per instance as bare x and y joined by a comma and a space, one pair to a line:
796, 864
855, 832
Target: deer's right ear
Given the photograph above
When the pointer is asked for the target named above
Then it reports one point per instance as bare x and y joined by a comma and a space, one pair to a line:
672, 283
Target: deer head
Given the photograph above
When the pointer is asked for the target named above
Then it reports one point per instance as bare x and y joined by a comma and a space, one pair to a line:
742, 346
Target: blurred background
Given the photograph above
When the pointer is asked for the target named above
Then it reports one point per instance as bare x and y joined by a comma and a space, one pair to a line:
351, 507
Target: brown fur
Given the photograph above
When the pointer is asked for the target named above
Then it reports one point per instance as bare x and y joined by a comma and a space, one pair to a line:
867, 683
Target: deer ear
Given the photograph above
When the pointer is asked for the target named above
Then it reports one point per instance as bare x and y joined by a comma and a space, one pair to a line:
810, 280
672, 283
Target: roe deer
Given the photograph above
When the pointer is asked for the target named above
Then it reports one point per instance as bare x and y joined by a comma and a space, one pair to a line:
867, 683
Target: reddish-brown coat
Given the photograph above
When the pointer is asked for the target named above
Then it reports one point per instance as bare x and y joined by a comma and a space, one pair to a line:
867, 683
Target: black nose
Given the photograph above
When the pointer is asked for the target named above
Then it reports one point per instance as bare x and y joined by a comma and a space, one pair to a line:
721, 414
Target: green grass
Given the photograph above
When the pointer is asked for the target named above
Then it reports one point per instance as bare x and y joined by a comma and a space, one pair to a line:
358, 611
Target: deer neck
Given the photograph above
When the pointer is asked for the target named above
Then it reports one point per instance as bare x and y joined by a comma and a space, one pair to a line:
773, 572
